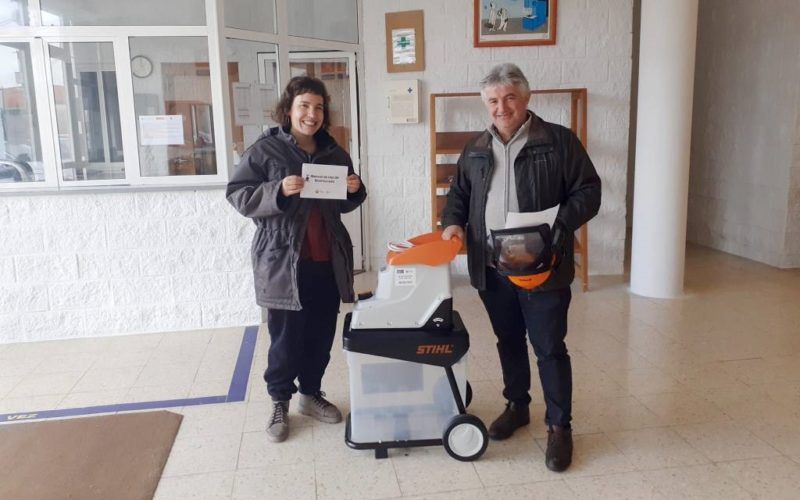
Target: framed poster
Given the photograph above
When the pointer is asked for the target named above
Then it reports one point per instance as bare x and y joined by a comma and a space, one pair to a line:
505, 23
405, 41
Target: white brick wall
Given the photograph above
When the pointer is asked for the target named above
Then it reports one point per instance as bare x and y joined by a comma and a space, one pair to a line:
593, 50
75, 265
743, 194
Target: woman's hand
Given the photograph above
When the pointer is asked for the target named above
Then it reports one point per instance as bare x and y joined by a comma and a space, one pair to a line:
291, 185
353, 183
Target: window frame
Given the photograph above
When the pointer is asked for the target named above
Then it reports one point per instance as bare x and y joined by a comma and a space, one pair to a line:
216, 32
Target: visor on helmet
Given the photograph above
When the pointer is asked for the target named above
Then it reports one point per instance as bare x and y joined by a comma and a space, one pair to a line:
523, 254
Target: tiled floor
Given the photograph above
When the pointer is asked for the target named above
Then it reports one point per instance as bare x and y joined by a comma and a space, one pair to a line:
697, 397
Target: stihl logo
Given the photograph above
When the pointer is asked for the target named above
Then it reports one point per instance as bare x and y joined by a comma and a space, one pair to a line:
435, 349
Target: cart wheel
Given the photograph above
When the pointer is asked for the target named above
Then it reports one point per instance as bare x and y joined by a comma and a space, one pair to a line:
465, 438
468, 398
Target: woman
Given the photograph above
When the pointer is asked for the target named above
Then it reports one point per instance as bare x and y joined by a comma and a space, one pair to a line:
301, 252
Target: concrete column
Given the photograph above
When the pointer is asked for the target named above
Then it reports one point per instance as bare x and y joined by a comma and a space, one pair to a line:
663, 137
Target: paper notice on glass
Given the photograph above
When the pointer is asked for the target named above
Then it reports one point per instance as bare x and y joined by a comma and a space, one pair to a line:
242, 103
267, 100
324, 181
525, 219
161, 130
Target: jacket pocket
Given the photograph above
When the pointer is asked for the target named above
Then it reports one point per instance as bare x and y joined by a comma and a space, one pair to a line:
547, 178
272, 271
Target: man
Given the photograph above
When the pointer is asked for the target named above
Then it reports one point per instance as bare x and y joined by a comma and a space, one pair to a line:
523, 164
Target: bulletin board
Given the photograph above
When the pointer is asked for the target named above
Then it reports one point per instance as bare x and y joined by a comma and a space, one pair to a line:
405, 41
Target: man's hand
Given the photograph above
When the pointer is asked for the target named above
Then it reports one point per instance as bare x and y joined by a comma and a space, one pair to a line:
451, 231
292, 184
353, 183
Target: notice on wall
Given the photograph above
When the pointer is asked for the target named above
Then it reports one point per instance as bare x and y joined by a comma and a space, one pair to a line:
324, 181
161, 130
402, 98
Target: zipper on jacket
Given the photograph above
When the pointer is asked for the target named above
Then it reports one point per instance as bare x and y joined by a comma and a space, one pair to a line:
482, 228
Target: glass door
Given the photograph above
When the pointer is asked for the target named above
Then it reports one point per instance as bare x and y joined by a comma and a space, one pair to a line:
337, 70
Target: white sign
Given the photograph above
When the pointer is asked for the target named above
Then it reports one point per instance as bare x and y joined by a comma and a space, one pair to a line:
161, 130
525, 219
324, 181
405, 276
403, 101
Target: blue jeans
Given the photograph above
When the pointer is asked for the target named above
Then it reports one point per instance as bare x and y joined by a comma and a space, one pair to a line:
542, 317
301, 341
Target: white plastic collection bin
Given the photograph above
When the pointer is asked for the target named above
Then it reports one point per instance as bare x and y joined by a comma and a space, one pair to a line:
393, 400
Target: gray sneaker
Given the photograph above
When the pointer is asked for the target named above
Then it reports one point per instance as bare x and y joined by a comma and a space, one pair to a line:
317, 407
278, 427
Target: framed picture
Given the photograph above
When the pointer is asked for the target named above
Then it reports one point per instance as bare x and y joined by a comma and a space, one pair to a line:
405, 41
505, 23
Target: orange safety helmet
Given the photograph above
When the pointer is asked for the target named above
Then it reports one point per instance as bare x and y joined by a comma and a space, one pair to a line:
524, 254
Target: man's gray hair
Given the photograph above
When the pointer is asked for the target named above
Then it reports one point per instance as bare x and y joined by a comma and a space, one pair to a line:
506, 74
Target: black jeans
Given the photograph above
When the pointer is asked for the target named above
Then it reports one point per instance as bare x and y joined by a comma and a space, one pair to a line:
301, 341
514, 312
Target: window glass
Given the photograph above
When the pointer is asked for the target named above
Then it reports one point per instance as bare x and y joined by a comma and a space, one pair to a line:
20, 147
14, 13
253, 15
123, 13
87, 110
253, 76
330, 20
173, 106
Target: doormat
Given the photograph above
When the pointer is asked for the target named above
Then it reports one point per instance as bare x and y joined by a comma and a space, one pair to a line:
114, 456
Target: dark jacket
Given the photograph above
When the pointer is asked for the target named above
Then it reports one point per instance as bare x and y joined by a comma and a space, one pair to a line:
552, 168
255, 191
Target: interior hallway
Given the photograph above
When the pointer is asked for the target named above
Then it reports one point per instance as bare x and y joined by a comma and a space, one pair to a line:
696, 397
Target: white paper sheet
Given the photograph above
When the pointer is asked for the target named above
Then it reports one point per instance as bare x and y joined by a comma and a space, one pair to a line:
404, 46
161, 130
324, 181
524, 219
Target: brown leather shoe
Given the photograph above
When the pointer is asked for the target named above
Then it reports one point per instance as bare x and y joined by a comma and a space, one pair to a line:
513, 417
559, 449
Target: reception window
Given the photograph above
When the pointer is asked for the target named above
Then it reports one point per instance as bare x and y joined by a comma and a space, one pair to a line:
173, 106
98, 94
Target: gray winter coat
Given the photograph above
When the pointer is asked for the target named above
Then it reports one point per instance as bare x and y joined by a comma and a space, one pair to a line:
255, 192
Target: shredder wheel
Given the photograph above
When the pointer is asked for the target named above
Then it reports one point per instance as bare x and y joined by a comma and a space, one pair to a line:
465, 438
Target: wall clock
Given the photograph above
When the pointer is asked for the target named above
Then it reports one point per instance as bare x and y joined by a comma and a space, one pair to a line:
141, 66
